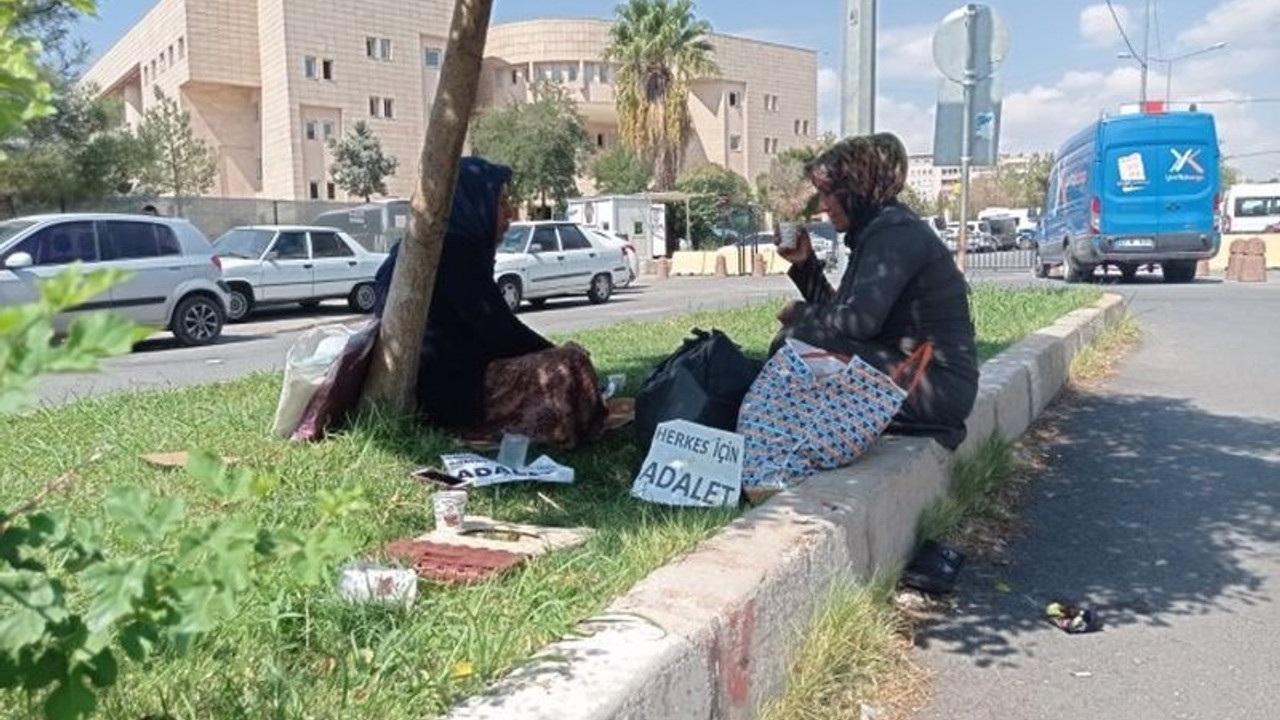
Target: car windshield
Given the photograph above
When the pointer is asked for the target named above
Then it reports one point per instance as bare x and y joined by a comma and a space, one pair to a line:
515, 241
248, 243
9, 228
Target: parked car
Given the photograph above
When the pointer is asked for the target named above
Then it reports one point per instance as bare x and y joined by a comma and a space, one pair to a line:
545, 259
267, 265
609, 239
174, 278
1027, 239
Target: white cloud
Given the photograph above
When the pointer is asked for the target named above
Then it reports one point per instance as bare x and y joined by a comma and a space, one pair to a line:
1238, 22
1098, 28
906, 52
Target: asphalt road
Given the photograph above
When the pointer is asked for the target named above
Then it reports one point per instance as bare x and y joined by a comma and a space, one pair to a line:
261, 345
1160, 508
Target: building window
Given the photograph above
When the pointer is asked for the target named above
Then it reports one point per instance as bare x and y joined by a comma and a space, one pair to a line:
171, 55
326, 69
433, 57
805, 127
388, 108
377, 48
735, 143
313, 190
331, 191
733, 99
259, 173
327, 130
599, 140
573, 72
310, 129
309, 66
153, 70
797, 127
589, 71
375, 106
182, 48
162, 65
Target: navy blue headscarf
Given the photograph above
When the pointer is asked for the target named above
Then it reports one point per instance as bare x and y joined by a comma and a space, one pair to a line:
472, 219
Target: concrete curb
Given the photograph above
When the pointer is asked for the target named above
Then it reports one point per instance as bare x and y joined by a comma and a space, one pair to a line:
711, 635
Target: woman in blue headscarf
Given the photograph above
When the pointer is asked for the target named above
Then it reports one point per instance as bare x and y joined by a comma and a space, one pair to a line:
482, 371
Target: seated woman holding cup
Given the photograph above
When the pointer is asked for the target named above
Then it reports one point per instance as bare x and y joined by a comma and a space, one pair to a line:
901, 287
482, 372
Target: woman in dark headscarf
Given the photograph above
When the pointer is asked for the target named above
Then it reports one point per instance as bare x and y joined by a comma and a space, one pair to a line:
482, 371
901, 287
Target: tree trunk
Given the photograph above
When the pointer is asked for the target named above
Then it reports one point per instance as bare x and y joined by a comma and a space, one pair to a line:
393, 373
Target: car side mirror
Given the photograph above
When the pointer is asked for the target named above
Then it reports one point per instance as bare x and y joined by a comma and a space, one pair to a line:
19, 260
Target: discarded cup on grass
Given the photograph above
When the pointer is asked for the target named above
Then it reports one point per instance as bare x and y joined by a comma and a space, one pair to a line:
451, 509
363, 582
613, 384
514, 451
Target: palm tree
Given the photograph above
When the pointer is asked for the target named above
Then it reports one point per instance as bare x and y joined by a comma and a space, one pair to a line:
660, 46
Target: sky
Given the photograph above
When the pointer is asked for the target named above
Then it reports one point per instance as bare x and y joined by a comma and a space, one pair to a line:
1061, 73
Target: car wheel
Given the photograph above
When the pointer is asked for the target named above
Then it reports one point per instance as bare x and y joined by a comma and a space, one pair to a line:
601, 288
1179, 271
510, 288
239, 303
1076, 272
197, 320
363, 298
1038, 267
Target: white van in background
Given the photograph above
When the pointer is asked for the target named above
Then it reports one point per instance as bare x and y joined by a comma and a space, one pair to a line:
1251, 207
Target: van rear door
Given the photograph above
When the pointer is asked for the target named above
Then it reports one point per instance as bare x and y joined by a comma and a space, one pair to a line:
1160, 175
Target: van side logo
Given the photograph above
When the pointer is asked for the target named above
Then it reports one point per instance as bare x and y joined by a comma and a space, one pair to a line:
1185, 165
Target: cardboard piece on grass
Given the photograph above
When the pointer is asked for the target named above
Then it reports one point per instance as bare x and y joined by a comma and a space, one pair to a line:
176, 459
691, 465
481, 549
478, 471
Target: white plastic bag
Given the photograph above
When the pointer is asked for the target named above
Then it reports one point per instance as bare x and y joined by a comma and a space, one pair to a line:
306, 365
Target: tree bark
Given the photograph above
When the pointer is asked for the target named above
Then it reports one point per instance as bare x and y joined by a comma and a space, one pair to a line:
393, 372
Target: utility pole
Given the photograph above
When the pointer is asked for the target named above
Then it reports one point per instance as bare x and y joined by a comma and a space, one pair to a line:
1146, 50
858, 81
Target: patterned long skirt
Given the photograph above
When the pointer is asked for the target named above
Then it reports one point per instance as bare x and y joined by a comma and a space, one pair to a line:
552, 396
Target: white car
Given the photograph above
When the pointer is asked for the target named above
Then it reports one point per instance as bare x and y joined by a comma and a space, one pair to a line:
281, 264
546, 259
628, 252
174, 281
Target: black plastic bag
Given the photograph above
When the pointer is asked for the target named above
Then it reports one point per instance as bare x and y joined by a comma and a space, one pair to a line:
703, 381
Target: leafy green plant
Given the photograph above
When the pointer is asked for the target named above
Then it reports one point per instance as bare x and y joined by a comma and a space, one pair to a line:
73, 606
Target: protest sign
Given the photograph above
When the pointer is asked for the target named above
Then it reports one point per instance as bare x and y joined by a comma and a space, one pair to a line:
477, 471
691, 465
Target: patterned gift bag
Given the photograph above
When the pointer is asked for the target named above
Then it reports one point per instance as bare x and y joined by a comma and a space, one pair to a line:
812, 410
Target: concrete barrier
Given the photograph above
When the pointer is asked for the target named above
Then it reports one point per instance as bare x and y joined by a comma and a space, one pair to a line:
1272, 240
711, 635
690, 262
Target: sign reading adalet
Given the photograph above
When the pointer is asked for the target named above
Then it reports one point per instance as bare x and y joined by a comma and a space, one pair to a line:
691, 465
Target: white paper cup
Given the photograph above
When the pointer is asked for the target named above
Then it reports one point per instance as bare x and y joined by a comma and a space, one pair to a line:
788, 235
451, 509
373, 583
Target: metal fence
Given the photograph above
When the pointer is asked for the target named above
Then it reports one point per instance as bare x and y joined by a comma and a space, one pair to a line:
1001, 260
212, 215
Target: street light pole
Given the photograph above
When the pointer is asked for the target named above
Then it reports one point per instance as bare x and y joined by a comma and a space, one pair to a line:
1146, 52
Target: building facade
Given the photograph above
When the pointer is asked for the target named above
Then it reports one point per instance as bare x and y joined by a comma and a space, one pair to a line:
268, 82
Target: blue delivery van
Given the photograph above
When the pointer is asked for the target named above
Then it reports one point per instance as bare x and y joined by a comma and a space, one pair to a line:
1133, 190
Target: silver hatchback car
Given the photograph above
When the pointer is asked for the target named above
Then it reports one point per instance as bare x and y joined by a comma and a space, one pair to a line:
175, 279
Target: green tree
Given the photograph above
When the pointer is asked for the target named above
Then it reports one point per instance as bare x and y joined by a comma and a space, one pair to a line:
26, 91
176, 162
360, 167
543, 141
660, 47
78, 154
719, 192
621, 171
785, 190
1227, 175
917, 202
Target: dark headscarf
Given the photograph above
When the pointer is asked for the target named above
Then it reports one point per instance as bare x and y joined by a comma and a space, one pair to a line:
866, 172
472, 220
